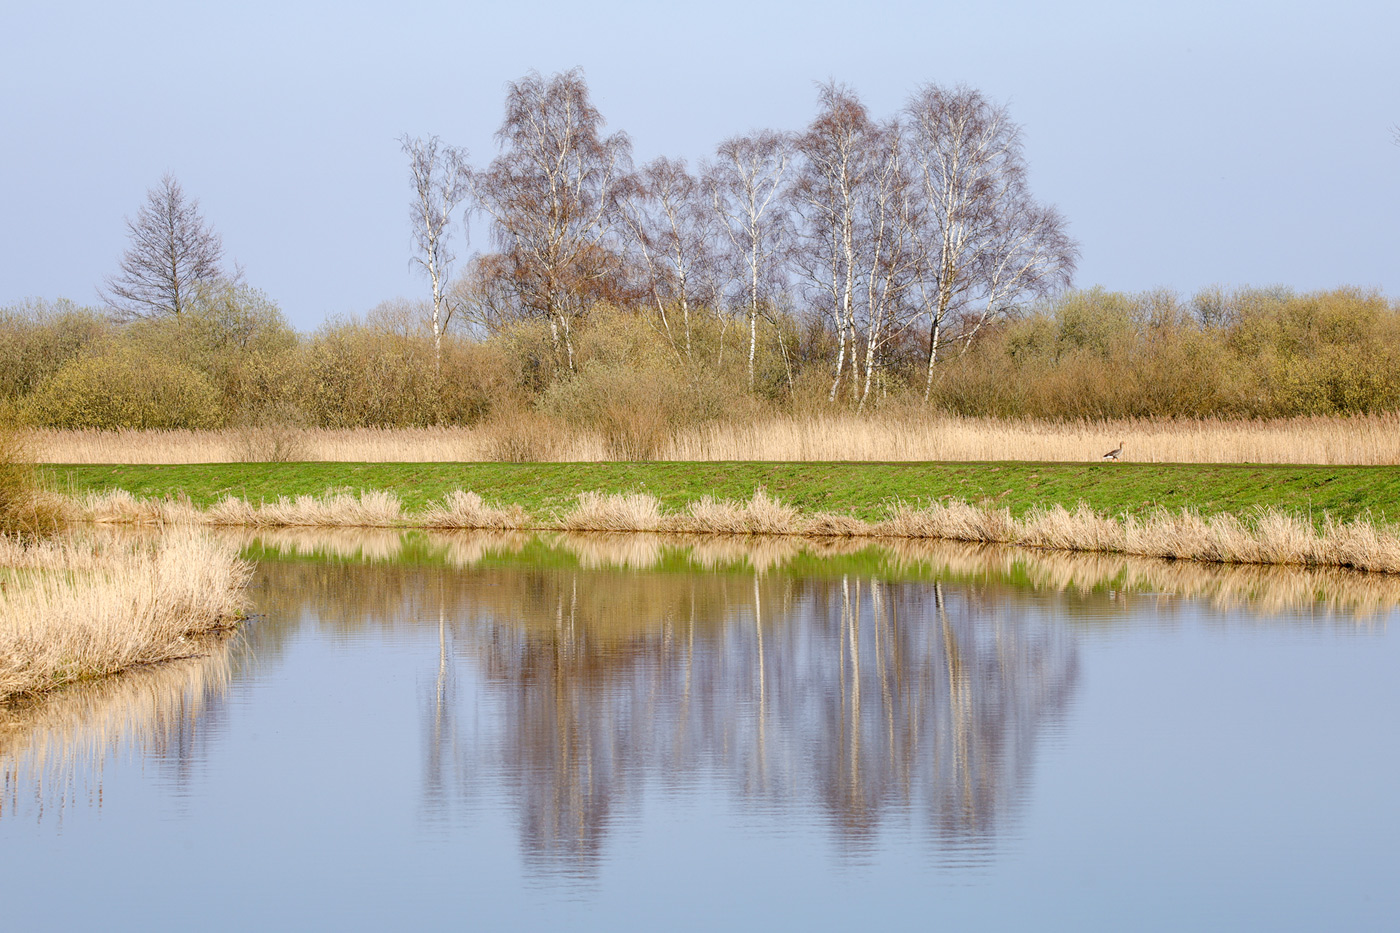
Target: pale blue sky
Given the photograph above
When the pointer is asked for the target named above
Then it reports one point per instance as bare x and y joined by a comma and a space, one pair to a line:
1188, 143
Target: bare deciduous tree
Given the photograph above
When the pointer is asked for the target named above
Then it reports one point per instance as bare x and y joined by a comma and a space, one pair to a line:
173, 253
441, 180
552, 195
854, 192
670, 227
835, 153
889, 255
746, 184
985, 242
483, 296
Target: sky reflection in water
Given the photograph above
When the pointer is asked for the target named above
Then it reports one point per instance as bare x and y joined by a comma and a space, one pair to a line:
627, 731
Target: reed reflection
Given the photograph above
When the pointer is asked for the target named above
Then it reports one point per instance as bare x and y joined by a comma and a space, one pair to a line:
53, 752
1264, 591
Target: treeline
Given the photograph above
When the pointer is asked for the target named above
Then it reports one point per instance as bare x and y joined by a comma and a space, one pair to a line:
859, 263
231, 359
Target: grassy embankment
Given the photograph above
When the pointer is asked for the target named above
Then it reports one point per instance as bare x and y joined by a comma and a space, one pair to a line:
864, 491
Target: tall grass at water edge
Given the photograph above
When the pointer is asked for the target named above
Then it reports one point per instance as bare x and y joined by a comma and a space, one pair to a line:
75, 609
24, 508
1266, 536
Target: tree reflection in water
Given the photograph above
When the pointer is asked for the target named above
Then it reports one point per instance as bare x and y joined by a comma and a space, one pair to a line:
898, 689
843, 694
861, 697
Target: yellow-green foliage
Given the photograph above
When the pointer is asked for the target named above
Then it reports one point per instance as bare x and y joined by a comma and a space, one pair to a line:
125, 385
37, 337
631, 379
238, 339
1323, 353
1249, 353
477, 383
354, 376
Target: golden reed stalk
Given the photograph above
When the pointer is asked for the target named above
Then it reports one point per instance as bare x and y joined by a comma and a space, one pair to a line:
1361, 440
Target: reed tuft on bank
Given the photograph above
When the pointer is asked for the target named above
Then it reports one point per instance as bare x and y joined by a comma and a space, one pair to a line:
73, 610
1264, 536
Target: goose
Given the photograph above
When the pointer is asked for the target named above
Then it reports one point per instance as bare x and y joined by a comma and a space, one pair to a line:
1115, 453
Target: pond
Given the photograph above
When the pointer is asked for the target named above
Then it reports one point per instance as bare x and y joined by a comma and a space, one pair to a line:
635, 732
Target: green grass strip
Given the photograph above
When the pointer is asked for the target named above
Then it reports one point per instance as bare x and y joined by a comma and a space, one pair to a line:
861, 489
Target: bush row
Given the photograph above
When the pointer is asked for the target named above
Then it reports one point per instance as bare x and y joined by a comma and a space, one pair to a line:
233, 360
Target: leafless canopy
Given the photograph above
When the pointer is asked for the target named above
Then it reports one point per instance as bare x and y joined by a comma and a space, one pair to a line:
172, 254
552, 195
853, 194
746, 184
987, 243
670, 228
441, 180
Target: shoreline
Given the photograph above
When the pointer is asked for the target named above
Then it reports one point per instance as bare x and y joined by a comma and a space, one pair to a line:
1263, 537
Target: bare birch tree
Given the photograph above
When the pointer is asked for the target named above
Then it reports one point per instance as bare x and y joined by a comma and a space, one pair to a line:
552, 195
173, 253
854, 194
746, 184
977, 214
836, 151
888, 252
670, 228
441, 180
1033, 255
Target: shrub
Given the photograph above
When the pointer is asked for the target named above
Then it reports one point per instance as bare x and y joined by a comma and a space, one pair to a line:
355, 376
37, 337
14, 479
477, 383
238, 338
121, 385
24, 509
637, 410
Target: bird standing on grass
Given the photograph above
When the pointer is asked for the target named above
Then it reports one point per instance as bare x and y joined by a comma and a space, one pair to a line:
1115, 453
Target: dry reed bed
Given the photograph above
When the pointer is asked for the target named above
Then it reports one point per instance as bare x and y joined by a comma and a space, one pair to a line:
1362, 440
72, 610
1263, 537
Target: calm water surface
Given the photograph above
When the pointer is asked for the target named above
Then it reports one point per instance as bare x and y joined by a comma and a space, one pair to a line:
637, 733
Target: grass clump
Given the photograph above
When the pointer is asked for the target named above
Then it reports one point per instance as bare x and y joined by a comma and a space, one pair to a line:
73, 610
